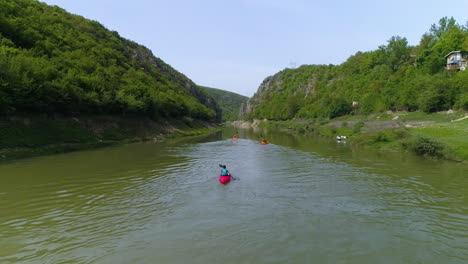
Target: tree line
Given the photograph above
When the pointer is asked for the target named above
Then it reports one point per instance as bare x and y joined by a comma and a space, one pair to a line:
396, 76
52, 61
229, 102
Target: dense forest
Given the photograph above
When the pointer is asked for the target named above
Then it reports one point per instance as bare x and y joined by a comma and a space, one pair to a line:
230, 103
396, 77
52, 61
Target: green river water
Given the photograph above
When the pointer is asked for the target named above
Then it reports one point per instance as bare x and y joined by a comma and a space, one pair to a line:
297, 200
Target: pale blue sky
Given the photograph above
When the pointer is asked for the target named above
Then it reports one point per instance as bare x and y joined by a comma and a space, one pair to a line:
233, 45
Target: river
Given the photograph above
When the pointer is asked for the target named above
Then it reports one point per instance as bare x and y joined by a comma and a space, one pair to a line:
297, 200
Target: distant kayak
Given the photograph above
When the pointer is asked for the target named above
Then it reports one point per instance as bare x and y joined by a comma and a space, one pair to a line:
264, 142
224, 179
234, 137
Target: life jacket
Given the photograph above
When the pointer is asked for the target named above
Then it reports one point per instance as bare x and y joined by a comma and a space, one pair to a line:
224, 172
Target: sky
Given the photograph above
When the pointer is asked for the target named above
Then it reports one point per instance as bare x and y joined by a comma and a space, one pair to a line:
235, 44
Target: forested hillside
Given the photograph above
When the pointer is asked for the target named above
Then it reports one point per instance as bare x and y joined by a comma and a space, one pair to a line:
229, 102
396, 76
52, 61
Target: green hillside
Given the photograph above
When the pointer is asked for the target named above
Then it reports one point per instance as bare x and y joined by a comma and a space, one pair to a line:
396, 76
52, 62
230, 103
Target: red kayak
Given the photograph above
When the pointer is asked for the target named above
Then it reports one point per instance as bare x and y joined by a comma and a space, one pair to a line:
224, 179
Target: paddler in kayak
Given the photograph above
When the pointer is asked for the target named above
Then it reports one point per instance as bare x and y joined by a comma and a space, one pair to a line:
224, 171
225, 176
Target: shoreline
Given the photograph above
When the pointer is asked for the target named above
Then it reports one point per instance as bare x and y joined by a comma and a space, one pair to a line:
442, 135
38, 135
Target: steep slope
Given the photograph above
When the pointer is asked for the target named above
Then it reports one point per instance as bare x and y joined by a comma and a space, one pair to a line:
396, 76
229, 102
56, 62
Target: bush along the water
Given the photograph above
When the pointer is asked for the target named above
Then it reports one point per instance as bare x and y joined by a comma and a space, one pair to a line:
446, 140
422, 145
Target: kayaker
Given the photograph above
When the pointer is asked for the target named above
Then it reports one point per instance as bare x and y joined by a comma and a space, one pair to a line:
224, 171
225, 176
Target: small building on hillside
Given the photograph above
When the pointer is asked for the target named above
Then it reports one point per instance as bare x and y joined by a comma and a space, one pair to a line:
456, 60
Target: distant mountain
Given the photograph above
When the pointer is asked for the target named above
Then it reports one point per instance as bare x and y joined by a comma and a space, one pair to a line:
52, 61
394, 77
229, 102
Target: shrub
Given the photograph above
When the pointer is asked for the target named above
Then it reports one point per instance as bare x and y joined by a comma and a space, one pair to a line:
431, 101
462, 102
391, 135
425, 146
339, 107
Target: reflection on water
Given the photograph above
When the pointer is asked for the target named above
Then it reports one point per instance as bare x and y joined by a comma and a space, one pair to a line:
297, 200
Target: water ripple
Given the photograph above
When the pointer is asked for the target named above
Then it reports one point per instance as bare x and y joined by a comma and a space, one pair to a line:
163, 204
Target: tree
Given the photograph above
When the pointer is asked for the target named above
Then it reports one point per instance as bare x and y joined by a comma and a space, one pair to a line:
398, 52
445, 24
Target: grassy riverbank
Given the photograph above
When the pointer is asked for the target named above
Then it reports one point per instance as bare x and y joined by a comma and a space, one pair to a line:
28, 136
440, 135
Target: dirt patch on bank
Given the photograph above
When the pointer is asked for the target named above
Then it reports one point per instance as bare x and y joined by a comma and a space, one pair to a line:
460, 119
